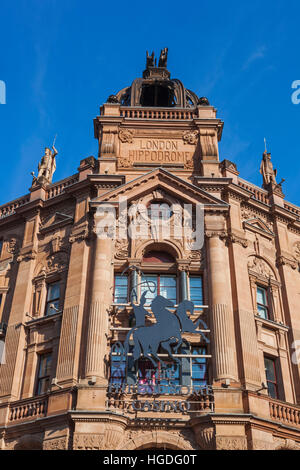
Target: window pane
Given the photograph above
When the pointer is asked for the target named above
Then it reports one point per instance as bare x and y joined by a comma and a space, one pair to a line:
270, 369
168, 287
149, 284
199, 367
272, 390
52, 307
169, 281
121, 289
261, 296
262, 312
43, 386
196, 292
53, 291
45, 365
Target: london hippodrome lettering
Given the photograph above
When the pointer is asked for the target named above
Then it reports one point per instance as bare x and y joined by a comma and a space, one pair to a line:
158, 150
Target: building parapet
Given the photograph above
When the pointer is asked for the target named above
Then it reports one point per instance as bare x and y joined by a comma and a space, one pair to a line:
59, 187
10, 207
158, 113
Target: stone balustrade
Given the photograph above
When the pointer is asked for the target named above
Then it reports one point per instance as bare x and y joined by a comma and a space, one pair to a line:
58, 188
10, 208
156, 113
28, 408
287, 414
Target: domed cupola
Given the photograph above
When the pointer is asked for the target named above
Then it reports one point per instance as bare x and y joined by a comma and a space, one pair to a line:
156, 88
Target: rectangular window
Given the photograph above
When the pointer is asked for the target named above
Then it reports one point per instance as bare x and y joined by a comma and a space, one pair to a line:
196, 290
262, 302
53, 299
44, 374
270, 368
1, 245
121, 289
159, 284
199, 368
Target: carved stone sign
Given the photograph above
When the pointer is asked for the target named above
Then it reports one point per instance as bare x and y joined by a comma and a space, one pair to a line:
157, 151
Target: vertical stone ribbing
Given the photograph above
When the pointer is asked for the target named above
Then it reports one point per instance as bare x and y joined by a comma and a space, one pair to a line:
97, 324
223, 332
11, 350
249, 346
101, 297
223, 341
67, 344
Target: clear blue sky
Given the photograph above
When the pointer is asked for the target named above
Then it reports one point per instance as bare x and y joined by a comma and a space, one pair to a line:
61, 59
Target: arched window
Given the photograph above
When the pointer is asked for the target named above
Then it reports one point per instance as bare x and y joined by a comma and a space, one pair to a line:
158, 257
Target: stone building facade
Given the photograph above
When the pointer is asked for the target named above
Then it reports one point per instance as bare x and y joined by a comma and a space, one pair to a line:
66, 293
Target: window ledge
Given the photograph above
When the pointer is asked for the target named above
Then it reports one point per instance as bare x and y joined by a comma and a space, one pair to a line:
271, 323
42, 320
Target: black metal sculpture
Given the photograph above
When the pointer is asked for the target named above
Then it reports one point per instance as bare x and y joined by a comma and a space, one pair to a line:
163, 58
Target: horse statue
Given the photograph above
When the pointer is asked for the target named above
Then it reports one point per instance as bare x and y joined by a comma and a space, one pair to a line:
165, 332
187, 325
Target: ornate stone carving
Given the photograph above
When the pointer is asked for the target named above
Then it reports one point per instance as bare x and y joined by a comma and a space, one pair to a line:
121, 249
88, 441
126, 135
283, 260
57, 261
189, 164
190, 137
196, 255
79, 233
203, 101
60, 443
296, 250
113, 99
261, 267
124, 162
216, 233
205, 437
233, 238
26, 256
231, 443
13, 245
246, 213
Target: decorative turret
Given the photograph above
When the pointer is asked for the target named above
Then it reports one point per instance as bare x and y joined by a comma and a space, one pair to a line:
157, 89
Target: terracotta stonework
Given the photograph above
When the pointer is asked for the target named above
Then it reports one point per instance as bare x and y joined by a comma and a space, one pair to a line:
158, 144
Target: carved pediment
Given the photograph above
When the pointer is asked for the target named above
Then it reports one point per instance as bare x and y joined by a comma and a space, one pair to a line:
258, 266
258, 226
160, 181
55, 220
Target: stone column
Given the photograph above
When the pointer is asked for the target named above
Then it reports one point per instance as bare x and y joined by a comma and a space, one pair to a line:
222, 322
183, 286
100, 301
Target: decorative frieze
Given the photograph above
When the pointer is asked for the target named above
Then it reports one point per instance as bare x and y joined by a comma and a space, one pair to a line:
231, 443
60, 443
